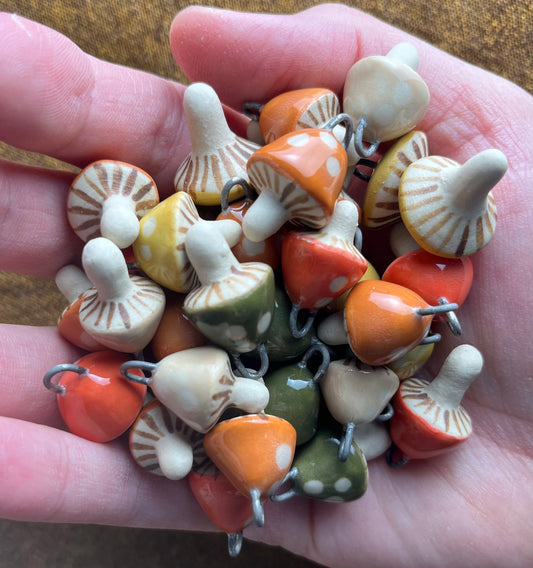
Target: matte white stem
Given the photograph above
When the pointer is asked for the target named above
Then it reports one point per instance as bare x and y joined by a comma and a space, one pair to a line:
209, 252
106, 268
462, 366
205, 118
405, 53
72, 282
471, 182
119, 222
265, 217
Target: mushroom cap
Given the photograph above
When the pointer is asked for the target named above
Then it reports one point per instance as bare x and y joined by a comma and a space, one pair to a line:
388, 94
253, 451
305, 170
217, 154
355, 392
296, 110
447, 208
132, 188
381, 201
160, 247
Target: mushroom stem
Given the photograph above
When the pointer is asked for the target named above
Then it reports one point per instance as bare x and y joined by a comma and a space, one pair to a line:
461, 367
332, 330
106, 268
470, 183
209, 252
344, 221
249, 395
205, 117
119, 222
405, 53
265, 216
72, 282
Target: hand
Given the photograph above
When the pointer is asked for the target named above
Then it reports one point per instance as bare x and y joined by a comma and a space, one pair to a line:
472, 507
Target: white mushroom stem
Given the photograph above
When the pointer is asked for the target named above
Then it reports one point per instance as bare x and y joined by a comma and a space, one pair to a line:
462, 366
249, 395
175, 455
209, 252
405, 53
344, 221
72, 282
332, 330
119, 222
106, 268
265, 217
205, 118
470, 183
353, 157
231, 230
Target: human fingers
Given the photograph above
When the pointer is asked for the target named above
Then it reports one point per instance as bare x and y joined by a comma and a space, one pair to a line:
59, 101
53, 476
36, 236
26, 353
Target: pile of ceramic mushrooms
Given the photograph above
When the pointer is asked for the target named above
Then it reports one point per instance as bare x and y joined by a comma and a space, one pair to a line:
237, 331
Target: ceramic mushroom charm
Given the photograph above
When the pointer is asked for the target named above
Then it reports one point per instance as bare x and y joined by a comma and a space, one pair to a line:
94, 400
107, 199
255, 453
356, 394
161, 443
448, 208
428, 417
385, 96
298, 176
198, 385
319, 266
120, 311
217, 154
233, 305
381, 322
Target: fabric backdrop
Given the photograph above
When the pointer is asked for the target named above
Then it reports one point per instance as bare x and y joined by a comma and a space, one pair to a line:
494, 34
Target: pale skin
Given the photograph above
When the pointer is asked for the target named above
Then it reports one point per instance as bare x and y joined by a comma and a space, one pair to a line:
471, 507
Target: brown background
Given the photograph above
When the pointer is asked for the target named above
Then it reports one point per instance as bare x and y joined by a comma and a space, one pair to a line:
494, 34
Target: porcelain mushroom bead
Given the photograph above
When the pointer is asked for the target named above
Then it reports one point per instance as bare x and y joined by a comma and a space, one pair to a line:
319, 266
254, 452
198, 385
120, 311
428, 417
294, 110
217, 154
233, 305
107, 199
298, 176
94, 400
72, 283
382, 321
317, 473
161, 443
436, 279
381, 205
356, 394
448, 208
385, 96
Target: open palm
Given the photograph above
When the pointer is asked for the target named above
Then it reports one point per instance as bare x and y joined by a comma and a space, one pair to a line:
472, 507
